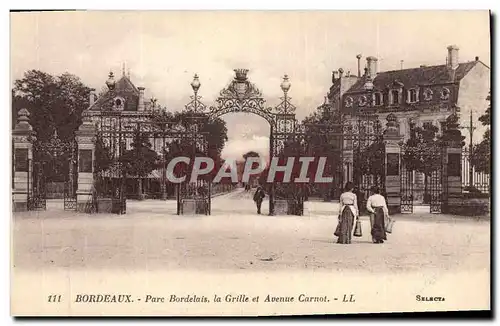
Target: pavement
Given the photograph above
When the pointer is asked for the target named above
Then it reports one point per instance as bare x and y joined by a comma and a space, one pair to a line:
151, 237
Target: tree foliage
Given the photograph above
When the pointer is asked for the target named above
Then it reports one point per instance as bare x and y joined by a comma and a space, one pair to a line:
102, 154
140, 160
54, 102
422, 151
481, 153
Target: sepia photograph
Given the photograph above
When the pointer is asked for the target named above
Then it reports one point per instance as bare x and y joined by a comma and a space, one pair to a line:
249, 163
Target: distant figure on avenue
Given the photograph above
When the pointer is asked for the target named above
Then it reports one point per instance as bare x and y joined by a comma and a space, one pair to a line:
347, 214
258, 197
377, 207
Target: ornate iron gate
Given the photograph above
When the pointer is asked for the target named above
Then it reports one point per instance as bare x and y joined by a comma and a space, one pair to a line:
71, 183
54, 157
37, 194
406, 189
364, 135
436, 189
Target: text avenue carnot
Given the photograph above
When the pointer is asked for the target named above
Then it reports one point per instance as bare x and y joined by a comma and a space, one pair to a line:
216, 298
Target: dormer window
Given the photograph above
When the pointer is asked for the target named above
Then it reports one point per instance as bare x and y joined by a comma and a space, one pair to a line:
394, 97
362, 101
119, 103
348, 102
377, 99
412, 95
445, 94
428, 94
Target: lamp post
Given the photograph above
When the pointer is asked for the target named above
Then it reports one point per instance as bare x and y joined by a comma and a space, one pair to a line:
285, 87
471, 129
195, 85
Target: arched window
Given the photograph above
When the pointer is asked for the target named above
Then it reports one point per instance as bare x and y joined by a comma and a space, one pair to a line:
394, 96
412, 95
378, 99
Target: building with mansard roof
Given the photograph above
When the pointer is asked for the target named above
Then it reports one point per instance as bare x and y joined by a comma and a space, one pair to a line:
426, 94
120, 107
416, 96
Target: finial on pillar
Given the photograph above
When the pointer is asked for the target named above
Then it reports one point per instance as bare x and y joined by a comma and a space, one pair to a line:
23, 120
391, 127
123, 69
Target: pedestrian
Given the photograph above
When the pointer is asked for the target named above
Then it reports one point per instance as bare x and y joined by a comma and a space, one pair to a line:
258, 197
377, 208
347, 214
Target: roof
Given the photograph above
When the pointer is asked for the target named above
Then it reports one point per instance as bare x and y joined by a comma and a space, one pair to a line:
123, 87
417, 76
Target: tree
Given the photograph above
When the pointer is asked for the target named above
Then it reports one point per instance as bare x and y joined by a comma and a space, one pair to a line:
140, 160
481, 153
54, 102
254, 165
214, 129
102, 154
422, 152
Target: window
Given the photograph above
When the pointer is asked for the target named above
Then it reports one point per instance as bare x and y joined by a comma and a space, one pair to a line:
348, 102
442, 125
378, 99
362, 101
445, 93
119, 103
394, 96
412, 95
428, 94
427, 124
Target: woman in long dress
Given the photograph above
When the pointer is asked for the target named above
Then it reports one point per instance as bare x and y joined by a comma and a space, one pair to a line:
347, 214
377, 207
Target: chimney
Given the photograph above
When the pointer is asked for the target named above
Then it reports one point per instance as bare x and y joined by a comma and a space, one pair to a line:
140, 106
341, 73
452, 60
477, 58
402, 64
359, 64
371, 64
92, 96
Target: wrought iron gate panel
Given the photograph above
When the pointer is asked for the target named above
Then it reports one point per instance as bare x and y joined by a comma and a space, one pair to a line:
406, 189
37, 196
71, 184
436, 189
364, 134
47, 156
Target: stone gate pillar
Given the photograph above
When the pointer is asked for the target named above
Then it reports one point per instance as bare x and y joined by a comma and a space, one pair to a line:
392, 140
347, 153
85, 140
22, 137
451, 167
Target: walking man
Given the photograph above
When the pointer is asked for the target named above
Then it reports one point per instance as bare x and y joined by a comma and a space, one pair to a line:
258, 197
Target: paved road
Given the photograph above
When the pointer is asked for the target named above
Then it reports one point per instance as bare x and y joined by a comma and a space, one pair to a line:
151, 237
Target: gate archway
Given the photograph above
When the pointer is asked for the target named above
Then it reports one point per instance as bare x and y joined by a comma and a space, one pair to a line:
242, 96
287, 136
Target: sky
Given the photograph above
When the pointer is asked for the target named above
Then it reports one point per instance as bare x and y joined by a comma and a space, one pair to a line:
163, 50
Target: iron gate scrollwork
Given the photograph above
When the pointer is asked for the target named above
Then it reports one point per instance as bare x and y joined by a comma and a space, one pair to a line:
406, 188
51, 159
363, 133
436, 181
